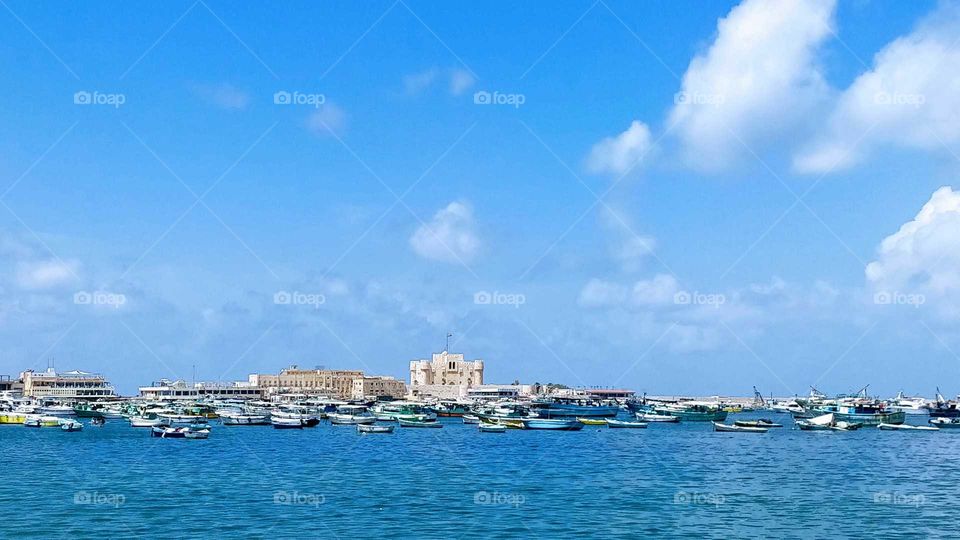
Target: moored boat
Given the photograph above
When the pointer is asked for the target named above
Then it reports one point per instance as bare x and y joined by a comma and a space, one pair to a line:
654, 417
145, 421
622, 424
470, 419
243, 419
592, 421
762, 423
492, 428
351, 415
718, 426
906, 427
70, 425
945, 423
368, 428
552, 424
419, 423
693, 411
287, 423
196, 433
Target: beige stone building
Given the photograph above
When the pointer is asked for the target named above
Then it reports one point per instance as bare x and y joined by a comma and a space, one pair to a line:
445, 375
326, 382
65, 385
373, 387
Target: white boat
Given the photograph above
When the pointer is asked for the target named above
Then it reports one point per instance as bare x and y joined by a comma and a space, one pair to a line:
57, 410
492, 428
143, 421
70, 425
196, 433
367, 428
654, 417
351, 415
35, 420
470, 419
619, 424
717, 426
906, 427
174, 419
242, 419
909, 405
287, 423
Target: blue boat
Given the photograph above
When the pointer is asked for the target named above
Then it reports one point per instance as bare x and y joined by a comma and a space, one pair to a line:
556, 424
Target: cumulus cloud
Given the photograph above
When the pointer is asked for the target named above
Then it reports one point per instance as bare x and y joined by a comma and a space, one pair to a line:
459, 80
910, 98
223, 95
619, 154
450, 236
924, 255
328, 118
659, 290
758, 78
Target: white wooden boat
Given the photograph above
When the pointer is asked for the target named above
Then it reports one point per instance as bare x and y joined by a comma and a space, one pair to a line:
287, 423
142, 421
70, 425
906, 427
654, 417
242, 419
368, 428
351, 419
470, 419
492, 428
945, 423
620, 424
419, 424
717, 426
196, 433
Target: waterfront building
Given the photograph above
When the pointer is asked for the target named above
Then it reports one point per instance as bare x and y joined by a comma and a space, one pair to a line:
167, 389
376, 387
445, 375
321, 382
66, 385
13, 386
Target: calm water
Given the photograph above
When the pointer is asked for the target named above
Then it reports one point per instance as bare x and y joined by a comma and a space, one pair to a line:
675, 481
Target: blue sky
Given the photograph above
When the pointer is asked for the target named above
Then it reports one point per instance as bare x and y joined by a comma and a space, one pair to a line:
691, 197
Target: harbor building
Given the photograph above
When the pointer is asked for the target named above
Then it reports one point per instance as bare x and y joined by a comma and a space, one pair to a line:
167, 389
66, 385
322, 382
377, 387
13, 386
445, 375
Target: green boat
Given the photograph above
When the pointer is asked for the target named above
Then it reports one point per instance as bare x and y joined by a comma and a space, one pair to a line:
84, 410
693, 412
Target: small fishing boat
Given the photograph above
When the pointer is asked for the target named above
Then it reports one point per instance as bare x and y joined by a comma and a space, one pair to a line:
819, 423
906, 427
592, 421
351, 415
846, 426
367, 428
243, 419
145, 421
654, 417
419, 423
470, 419
945, 423
717, 426
169, 432
98, 421
41, 421
762, 423
492, 428
286, 423
196, 433
70, 425
553, 424
621, 424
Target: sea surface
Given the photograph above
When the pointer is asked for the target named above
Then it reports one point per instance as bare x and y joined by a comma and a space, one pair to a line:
667, 481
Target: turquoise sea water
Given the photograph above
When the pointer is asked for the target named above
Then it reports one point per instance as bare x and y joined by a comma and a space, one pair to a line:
671, 481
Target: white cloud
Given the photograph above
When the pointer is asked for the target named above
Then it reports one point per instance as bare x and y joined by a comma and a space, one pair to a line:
628, 248
617, 155
657, 291
460, 81
924, 255
223, 95
449, 237
45, 274
600, 293
415, 83
758, 79
329, 117
911, 98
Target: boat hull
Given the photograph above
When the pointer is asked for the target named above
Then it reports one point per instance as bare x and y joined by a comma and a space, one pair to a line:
557, 425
